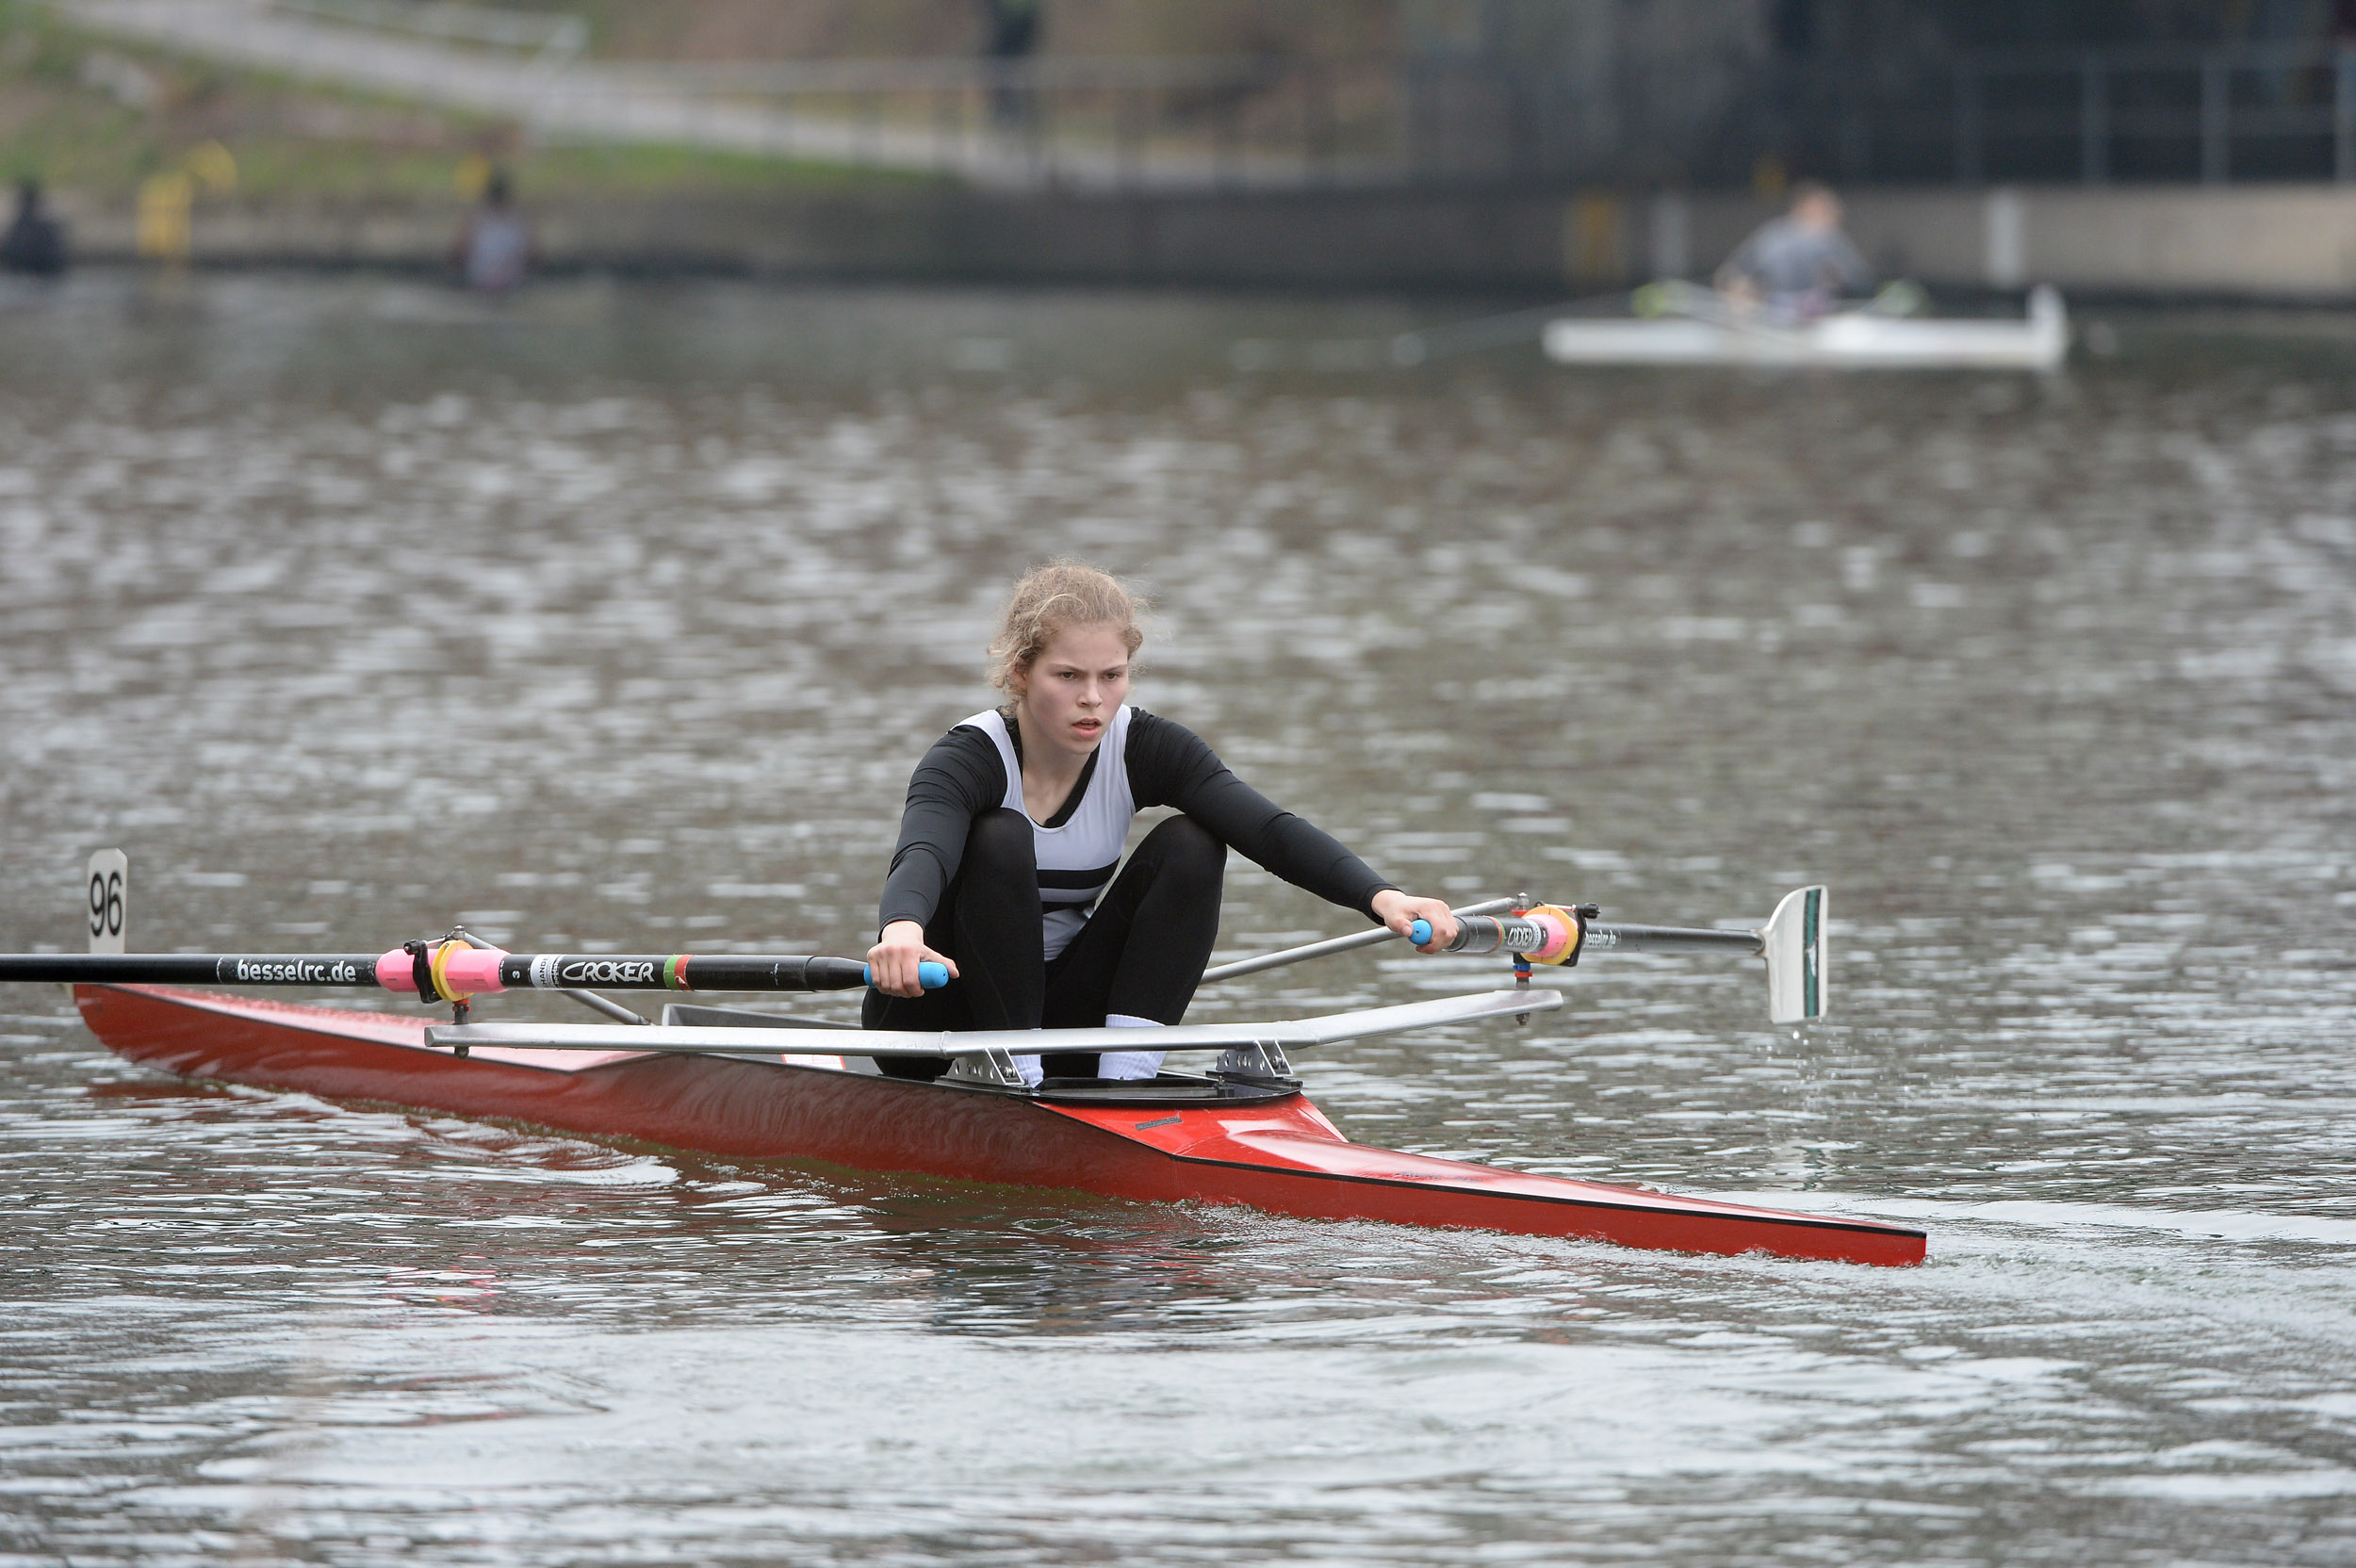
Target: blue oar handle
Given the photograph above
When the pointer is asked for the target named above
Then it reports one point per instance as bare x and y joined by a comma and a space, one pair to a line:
931, 977
1474, 933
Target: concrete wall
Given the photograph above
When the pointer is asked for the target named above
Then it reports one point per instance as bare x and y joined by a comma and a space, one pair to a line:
2293, 242
2270, 242
1388, 240
2286, 240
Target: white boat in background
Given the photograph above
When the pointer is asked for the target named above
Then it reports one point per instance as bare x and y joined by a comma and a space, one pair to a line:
1699, 326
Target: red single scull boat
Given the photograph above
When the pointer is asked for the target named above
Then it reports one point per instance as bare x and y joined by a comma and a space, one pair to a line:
758, 1085
1222, 1139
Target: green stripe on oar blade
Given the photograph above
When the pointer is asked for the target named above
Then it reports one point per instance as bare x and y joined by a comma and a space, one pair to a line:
1811, 944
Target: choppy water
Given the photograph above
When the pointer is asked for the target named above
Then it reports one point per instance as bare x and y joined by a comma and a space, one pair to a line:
620, 618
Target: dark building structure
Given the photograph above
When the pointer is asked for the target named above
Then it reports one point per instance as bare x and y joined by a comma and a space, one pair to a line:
1718, 93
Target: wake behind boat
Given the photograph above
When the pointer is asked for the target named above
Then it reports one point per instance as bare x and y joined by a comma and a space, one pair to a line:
1688, 325
750, 1085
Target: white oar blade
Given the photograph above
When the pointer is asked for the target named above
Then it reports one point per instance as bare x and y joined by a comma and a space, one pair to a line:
1291, 1035
1798, 983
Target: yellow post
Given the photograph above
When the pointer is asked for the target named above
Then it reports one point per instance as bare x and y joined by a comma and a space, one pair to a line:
163, 221
473, 176
1595, 249
168, 201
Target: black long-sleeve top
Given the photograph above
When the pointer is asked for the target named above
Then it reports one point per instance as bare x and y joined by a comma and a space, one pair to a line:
962, 777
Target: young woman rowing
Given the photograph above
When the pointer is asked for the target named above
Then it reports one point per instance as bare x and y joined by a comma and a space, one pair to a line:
1014, 825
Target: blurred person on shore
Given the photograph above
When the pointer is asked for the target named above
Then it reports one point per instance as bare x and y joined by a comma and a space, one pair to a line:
1799, 265
1012, 38
493, 254
35, 242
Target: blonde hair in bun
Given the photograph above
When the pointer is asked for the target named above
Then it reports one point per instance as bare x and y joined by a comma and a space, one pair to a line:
1051, 600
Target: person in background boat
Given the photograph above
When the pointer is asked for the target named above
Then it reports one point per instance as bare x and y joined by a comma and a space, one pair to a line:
494, 251
1801, 264
35, 242
1013, 828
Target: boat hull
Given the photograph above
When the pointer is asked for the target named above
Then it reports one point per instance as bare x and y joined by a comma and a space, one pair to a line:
1277, 1154
1846, 340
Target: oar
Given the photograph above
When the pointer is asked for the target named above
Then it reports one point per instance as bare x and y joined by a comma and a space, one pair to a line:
590, 1000
1791, 942
453, 968
1489, 332
1488, 936
1675, 297
449, 970
1339, 944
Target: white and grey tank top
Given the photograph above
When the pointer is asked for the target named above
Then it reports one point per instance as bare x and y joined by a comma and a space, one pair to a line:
1078, 858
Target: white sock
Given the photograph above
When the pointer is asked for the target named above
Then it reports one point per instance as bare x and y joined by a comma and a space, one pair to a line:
1032, 1073
1129, 1064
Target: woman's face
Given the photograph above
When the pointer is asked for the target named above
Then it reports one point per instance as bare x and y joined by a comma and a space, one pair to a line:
1072, 689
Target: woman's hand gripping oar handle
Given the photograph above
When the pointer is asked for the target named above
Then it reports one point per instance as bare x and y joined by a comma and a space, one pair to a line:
1545, 934
930, 975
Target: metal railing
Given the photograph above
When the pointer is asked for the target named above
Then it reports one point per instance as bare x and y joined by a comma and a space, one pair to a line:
2097, 116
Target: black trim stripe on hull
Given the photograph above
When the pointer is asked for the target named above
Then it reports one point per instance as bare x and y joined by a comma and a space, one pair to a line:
1802, 1221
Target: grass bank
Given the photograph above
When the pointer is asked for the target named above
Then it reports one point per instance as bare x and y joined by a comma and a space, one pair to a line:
97, 116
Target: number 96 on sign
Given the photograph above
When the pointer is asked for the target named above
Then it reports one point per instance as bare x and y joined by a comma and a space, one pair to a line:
109, 871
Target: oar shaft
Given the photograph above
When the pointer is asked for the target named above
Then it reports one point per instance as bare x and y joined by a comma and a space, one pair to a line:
466, 971
678, 971
1337, 944
1669, 939
1542, 931
191, 969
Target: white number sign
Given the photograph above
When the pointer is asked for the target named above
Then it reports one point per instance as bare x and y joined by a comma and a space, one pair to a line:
109, 880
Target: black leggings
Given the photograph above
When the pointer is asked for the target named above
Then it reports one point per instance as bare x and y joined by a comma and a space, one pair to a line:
1142, 953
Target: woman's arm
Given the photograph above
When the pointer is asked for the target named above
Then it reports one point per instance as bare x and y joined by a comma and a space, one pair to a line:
1738, 274
1848, 267
1171, 765
960, 779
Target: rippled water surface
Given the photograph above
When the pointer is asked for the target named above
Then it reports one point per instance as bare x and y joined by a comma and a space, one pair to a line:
619, 618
